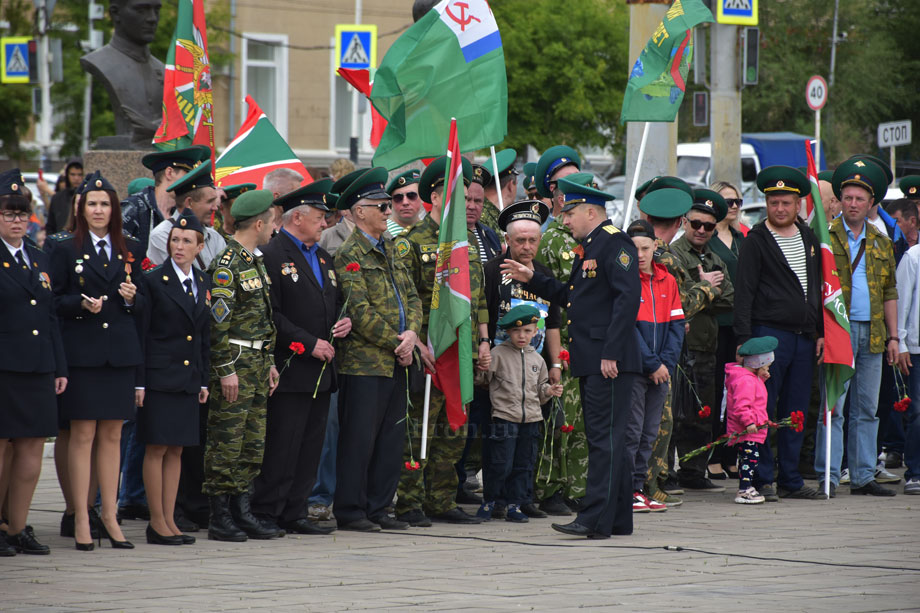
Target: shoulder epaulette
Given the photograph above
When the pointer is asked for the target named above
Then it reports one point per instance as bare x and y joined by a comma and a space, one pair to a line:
611, 229
128, 235
227, 257
61, 236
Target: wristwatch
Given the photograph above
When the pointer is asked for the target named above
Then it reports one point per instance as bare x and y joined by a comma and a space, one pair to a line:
484, 339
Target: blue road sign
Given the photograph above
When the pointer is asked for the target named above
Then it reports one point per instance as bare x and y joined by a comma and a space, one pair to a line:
15, 59
356, 46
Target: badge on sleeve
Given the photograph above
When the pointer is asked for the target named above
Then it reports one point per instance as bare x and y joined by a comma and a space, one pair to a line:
220, 311
402, 247
624, 259
223, 277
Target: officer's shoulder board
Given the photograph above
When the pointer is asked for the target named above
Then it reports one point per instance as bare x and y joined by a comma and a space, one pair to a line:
226, 258
611, 229
61, 236
127, 234
402, 246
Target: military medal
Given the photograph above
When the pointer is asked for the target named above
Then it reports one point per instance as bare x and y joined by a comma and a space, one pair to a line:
588, 269
79, 267
566, 255
425, 257
294, 277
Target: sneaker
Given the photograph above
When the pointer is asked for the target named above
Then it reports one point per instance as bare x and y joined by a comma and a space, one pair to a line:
653, 505
514, 514
833, 489
701, 484
485, 511
845, 476
803, 493
749, 496
883, 476
667, 499
671, 487
769, 493
319, 512
912, 486
640, 504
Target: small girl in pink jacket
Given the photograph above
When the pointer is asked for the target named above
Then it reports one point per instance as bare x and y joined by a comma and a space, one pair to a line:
746, 408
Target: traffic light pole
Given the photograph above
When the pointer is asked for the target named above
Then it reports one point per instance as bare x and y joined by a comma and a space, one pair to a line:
44, 81
725, 104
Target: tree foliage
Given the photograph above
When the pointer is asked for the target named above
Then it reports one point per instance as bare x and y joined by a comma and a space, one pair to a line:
16, 99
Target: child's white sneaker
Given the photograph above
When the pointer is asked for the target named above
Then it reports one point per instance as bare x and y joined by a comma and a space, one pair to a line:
749, 496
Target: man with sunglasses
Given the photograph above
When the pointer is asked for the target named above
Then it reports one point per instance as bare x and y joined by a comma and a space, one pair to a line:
699, 361
403, 190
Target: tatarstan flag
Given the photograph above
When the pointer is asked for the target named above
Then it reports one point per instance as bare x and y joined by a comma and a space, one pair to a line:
187, 96
449, 324
256, 150
838, 350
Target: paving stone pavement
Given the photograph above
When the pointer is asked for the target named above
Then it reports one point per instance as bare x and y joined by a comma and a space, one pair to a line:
503, 567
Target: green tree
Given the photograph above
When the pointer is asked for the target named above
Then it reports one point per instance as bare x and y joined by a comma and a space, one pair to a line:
16, 99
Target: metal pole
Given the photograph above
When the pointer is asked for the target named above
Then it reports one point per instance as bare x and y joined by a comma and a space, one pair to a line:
498, 185
423, 452
818, 139
355, 130
828, 416
231, 97
830, 82
632, 192
894, 171
87, 112
44, 79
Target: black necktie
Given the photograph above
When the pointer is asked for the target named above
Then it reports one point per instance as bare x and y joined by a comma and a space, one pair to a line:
102, 254
188, 290
22, 262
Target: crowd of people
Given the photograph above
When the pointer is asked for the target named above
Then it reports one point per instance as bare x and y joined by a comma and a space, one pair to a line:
252, 359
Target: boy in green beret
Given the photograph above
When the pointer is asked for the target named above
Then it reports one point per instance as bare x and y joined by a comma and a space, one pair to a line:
518, 382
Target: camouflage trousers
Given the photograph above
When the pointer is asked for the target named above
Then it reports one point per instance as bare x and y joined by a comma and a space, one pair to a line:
563, 466
236, 430
433, 487
658, 462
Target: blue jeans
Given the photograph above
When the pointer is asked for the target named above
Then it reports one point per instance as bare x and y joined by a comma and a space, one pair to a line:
512, 455
862, 426
324, 488
132, 467
912, 438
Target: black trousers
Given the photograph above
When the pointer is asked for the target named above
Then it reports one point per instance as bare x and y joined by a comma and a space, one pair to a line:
295, 427
607, 506
190, 500
371, 441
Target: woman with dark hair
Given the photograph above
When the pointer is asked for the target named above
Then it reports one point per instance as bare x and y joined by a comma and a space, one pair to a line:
176, 339
94, 271
32, 365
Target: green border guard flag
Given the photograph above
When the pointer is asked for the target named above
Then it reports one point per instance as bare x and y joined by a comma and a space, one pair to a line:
659, 77
448, 64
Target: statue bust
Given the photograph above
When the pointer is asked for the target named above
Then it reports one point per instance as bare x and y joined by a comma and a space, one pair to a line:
133, 77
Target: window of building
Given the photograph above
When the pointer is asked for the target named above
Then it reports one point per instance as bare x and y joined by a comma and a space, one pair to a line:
265, 76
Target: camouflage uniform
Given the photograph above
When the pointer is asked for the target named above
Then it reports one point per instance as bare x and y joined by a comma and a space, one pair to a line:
489, 217
433, 488
241, 310
569, 468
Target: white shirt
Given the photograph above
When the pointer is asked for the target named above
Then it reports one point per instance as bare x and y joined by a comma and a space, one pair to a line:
157, 252
21, 247
108, 244
182, 277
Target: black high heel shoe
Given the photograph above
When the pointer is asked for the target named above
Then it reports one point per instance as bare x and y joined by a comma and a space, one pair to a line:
104, 532
84, 546
155, 538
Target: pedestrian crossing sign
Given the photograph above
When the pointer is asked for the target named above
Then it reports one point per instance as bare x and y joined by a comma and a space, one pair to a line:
355, 46
14, 59
736, 12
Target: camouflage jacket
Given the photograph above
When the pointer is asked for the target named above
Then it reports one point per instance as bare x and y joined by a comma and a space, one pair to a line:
880, 275
704, 328
140, 215
556, 253
489, 217
240, 306
418, 248
373, 306
694, 295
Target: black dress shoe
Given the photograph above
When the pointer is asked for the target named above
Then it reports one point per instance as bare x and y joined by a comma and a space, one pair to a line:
415, 518
25, 542
360, 525
187, 539
390, 523
573, 503
457, 516
134, 511
155, 538
467, 497
531, 510
6, 550
554, 505
126, 544
184, 524
573, 528
305, 526
871, 489
67, 525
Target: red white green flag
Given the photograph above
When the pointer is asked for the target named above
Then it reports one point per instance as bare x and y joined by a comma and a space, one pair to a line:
256, 150
838, 350
187, 95
449, 325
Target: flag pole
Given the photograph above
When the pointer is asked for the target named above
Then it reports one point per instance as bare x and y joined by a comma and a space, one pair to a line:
632, 192
423, 453
498, 187
828, 416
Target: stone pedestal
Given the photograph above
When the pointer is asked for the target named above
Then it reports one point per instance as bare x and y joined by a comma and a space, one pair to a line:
119, 167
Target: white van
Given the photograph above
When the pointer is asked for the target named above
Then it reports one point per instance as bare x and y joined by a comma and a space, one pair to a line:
694, 166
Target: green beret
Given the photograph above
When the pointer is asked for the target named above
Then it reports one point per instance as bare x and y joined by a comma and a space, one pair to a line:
504, 161
434, 174
863, 173
783, 180
662, 182
367, 185
200, 176
758, 345
580, 188
530, 169
139, 184
184, 159
521, 315
315, 194
339, 186
251, 204
711, 202
481, 175
666, 203
826, 175
403, 179
910, 186
552, 160
233, 191
531, 210
878, 162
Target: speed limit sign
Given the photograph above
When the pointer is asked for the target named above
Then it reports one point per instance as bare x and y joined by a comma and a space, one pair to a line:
816, 93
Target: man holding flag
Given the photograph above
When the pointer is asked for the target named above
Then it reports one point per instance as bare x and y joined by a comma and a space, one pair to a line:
778, 293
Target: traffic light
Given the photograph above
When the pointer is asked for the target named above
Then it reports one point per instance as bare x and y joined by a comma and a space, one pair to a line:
750, 72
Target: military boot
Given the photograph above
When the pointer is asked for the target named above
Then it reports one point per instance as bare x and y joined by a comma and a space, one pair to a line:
249, 523
221, 526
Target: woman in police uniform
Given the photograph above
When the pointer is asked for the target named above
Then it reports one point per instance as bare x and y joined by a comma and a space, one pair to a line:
94, 271
32, 365
176, 340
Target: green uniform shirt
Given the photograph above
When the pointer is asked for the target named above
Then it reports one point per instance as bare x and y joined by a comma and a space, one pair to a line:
240, 305
489, 216
694, 295
556, 253
373, 306
704, 328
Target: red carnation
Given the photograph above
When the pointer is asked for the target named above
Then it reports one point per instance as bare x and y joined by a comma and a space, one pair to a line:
297, 348
146, 264
902, 405
563, 356
705, 412
352, 267
413, 465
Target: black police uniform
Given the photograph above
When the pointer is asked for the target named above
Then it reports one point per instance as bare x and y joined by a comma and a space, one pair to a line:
602, 303
33, 353
177, 348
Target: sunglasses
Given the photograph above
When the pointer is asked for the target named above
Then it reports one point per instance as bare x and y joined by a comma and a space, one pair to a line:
382, 207
730, 202
696, 224
410, 197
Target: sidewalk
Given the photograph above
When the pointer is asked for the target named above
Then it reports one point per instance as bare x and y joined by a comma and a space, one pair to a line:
474, 568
